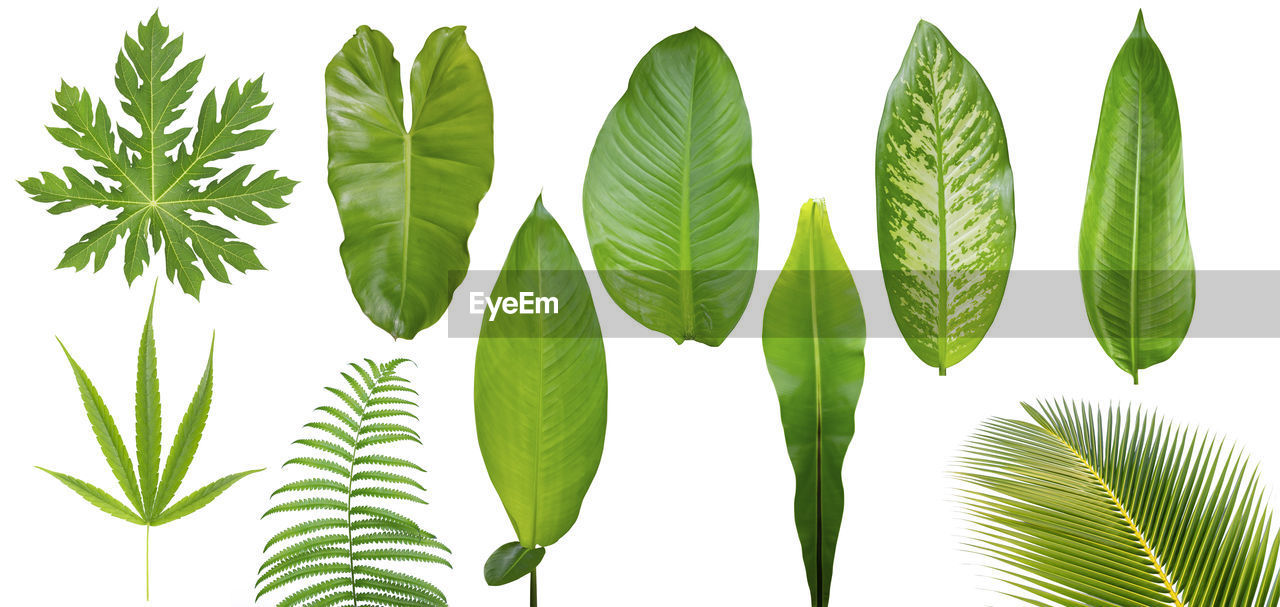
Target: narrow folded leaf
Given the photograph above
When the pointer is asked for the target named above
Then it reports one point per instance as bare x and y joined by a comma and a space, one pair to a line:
97, 497
408, 196
813, 335
187, 439
104, 428
540, 386
200, 497
670, 194
944, 201
1136, 267
510, 562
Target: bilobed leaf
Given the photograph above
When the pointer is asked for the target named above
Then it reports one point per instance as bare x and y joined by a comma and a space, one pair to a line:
97, 497
1136, 267
944, 201
813, 335
510, 562
1088, 505
670, 194
540, 386
152, 175
408, 195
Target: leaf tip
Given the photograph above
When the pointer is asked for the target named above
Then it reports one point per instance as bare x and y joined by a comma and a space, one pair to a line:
1140, 25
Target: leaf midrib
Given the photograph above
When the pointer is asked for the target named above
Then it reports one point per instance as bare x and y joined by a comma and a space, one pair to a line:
686, 236
817, 392
939, 159
1133, 246
1124, 512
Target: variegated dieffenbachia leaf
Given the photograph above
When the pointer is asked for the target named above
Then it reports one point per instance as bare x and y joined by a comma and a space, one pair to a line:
944, 201
152, 178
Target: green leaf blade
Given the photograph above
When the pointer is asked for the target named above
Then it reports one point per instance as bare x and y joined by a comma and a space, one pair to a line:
670, 197
409, 196
541, 387
97, 497
511, 562
147, 414
944, 201
187, 439
813, 336
1136, 266
200, 497
108, 435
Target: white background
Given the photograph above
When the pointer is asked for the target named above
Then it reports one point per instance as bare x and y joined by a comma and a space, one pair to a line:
692, 504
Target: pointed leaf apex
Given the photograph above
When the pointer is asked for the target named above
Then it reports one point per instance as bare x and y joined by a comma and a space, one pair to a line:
1140, 25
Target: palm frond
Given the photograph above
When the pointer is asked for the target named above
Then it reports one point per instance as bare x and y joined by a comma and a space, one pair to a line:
1086, 506
344, 554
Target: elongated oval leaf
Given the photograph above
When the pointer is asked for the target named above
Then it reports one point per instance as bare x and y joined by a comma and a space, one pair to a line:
670, 196
1136, 268
813, 337
408, 195
540, 386
1086, 505
511, 562
944, 201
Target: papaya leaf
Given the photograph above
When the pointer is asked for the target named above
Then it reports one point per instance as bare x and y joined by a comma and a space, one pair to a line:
408, 195
157, 183
670, 194
1136, 267
813, 336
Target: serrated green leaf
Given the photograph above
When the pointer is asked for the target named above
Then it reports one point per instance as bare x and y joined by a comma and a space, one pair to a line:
147, 414
201, 497
408, 196
187, 440
97, 497
541, 387
104, 429
157, 198
944, 201
1136, 267
670, 197
814, 333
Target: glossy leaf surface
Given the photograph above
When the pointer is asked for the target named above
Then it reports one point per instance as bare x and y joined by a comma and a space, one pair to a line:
944, 201
1094, 506
408, 195
1136, 266
670, 195
814, 333
511, 562
540, 387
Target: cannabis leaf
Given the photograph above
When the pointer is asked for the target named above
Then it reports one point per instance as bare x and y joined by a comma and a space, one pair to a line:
340, 553
149, 491
152, 174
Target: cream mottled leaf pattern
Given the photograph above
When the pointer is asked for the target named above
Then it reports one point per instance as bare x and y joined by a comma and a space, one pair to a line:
670, 196
1136, 267
944, 201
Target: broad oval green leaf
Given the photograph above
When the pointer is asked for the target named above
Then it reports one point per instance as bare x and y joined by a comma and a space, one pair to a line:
540, 386
511, 562
1136, 268
944, 201
670, 195
408, 195
814, 333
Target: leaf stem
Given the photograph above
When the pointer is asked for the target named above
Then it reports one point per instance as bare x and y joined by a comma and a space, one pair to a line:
147, 563
533, 588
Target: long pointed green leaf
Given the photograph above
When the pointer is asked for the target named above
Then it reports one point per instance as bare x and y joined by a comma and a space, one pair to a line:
97, 497
200, 497
104, 428
187, 439
147, 414
813, 335
670, 194
1136, 267
540, 387
408, 196
944, 201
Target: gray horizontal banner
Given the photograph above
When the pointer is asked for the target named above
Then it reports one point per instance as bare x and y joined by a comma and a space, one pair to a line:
1036, 303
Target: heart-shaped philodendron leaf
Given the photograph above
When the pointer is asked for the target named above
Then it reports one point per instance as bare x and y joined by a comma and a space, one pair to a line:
511, 562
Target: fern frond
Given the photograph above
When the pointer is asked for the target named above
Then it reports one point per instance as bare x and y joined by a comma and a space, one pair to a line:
327, 560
